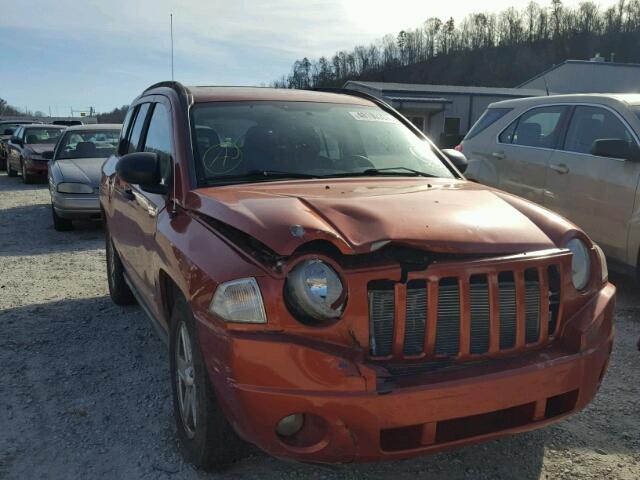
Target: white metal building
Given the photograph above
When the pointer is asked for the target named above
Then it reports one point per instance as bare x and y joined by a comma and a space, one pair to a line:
444, 112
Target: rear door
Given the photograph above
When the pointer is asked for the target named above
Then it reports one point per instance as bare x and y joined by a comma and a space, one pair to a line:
126, 233
139, 209
596, 193
524, 149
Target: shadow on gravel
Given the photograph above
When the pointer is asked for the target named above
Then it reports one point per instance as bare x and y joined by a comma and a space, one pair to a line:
88, 395
28, 230
15, 184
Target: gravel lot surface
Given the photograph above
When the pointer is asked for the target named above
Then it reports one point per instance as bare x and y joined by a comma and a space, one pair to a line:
84, 387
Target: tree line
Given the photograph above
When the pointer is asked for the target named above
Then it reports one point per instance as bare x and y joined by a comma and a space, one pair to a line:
493, 49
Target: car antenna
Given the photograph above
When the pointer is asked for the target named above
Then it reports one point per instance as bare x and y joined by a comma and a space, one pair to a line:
546, 85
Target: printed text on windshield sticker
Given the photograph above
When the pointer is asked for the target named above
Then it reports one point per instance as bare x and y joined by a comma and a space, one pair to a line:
373, 117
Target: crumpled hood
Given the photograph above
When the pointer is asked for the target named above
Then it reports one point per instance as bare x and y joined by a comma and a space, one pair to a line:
81, 170
361, 215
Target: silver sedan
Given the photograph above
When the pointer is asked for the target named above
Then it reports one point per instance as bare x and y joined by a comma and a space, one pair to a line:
74, 172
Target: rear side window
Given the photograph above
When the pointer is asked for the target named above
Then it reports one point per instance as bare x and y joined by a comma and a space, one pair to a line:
488, 118
538, 127
589, 124
138, 125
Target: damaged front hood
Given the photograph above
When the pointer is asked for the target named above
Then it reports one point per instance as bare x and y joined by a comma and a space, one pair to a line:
362, 215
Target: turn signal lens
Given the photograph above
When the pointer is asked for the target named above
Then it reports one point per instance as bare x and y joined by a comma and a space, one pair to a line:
603, 263
239, 301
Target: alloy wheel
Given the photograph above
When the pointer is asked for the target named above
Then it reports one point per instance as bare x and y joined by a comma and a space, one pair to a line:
185, 377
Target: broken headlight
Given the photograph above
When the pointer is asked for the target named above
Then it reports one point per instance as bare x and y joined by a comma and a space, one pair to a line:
314, 291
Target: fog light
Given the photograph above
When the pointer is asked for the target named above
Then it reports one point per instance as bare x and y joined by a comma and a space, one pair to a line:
290, 425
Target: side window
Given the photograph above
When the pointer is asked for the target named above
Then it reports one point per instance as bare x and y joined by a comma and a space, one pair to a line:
539, 127
136, 131
125, 130
589, 124
488, 118
17, 132
158, 140
507, 134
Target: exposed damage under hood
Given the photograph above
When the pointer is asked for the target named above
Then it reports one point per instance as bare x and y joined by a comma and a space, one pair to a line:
363, 215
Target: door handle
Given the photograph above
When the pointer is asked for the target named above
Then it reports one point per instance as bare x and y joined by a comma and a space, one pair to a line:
498, 155
561, 168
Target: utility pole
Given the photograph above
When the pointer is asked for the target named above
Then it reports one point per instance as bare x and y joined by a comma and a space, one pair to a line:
171, 23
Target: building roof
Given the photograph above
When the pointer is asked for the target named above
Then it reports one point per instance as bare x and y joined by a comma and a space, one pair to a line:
386, 88
580, 62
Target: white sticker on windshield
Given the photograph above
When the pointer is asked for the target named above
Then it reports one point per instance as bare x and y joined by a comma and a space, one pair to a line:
373, 117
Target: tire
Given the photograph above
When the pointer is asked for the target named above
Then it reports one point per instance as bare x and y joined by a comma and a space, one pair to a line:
60, 224
118, 289
27, 178
10, 171
211, 443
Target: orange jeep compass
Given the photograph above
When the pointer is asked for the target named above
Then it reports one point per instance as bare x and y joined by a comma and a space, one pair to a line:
330, 286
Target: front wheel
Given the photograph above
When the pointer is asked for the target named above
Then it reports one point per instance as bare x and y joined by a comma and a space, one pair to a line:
206, 437
26, 176
60, 224
10, 171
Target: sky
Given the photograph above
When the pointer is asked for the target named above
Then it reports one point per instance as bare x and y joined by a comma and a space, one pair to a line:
63, 54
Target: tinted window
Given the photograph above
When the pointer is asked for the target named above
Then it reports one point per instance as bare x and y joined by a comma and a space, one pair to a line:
158, 139
538, 127
136, 131
87, 144
323, 139
488, 118
125, 128
589, 124
507, 134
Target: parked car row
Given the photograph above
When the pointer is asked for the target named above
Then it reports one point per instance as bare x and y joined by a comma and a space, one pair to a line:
332, 289
69, 157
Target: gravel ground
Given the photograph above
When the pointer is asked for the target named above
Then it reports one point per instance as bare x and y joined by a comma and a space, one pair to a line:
84, 388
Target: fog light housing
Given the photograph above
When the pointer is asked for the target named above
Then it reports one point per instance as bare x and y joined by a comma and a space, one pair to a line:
290, 425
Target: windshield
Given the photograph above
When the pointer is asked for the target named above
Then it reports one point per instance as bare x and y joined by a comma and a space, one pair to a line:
236, 139
42, 135
88, 144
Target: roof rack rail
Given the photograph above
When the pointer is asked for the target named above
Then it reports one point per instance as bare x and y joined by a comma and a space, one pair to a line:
354, 93
180, 89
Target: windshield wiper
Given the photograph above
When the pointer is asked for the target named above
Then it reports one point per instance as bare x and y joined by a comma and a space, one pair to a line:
260, 175
402, 171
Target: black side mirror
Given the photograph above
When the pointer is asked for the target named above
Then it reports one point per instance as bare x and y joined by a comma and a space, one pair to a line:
457, 158
48, 155
142, 168
16, 141
8, 131
615, 148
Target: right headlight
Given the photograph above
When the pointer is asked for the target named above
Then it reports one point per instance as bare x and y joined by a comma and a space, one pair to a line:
315, 291
580, 263
73, 187
603, 263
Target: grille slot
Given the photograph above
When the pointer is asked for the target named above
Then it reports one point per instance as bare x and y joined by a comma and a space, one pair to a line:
448, 327
416, 318
381, 320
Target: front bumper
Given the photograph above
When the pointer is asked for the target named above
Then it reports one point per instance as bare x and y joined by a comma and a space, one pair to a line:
76, 206
264, 379
36, 167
